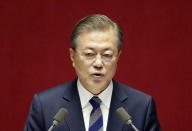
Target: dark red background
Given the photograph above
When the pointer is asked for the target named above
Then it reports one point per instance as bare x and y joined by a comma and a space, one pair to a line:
156, 57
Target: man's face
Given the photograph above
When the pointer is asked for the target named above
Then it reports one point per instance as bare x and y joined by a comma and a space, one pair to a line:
95, 59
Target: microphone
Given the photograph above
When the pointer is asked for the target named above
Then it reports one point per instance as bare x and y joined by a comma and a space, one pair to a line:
125, 117
58, 118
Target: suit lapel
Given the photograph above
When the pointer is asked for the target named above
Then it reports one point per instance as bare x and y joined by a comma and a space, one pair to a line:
118, 97
74, 119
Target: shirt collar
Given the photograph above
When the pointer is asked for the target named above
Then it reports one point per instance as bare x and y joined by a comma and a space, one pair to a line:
85, 95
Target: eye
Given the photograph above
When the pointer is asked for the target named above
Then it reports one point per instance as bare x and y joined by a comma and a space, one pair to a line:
89, 54
107, 55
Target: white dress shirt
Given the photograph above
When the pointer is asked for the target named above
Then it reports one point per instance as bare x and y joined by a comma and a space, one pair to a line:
105, 97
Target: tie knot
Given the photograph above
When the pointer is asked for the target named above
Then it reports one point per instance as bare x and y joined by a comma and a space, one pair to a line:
95, 101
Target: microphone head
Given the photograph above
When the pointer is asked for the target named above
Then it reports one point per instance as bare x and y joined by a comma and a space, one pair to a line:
61, 114
123, 115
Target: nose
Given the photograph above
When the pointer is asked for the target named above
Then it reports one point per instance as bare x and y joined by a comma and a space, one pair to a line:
98, 63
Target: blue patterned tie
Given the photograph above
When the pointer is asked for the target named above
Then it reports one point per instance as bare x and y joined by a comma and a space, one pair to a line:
96, 118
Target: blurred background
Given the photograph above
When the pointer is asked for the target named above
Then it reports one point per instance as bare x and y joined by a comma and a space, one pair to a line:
156, 55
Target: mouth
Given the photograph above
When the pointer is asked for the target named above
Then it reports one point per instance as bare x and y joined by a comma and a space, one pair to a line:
97, 75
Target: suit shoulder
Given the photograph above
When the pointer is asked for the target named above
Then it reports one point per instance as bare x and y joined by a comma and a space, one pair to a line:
131, 92
55, 92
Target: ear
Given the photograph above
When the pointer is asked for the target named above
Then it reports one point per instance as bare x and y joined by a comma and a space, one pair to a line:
119, 53
72, 55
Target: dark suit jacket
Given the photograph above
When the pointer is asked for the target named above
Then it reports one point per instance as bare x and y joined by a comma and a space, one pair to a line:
46, 104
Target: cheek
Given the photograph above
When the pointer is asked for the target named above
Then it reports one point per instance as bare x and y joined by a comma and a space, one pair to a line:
112, 68
81, 65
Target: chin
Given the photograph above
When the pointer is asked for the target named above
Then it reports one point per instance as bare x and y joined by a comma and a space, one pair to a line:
99, 83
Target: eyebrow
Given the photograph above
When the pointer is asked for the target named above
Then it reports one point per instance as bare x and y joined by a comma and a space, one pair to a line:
108, 49
90, 48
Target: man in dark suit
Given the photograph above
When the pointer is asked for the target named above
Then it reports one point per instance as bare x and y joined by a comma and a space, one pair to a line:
93, 98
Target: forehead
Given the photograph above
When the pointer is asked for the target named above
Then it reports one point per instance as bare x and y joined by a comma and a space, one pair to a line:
98, 40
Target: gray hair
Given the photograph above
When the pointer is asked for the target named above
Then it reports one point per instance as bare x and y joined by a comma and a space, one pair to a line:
95, 22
